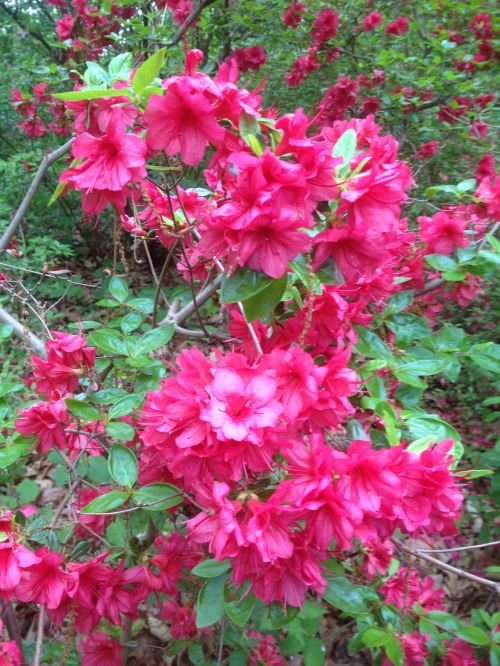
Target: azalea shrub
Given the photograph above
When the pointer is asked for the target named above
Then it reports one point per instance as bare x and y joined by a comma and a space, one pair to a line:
250, 465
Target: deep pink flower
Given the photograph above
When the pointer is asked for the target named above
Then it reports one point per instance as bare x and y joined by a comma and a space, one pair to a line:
443, 232
183, 120
238, 409
372, 21
110, 163
182, 620
407, 587
45, 581
64, 27
325, 26
47, 421
14, 559
427, 150
293, 15
121, 594
176, 553
249, 58
265, 652
10, 654
100, 650
397, 27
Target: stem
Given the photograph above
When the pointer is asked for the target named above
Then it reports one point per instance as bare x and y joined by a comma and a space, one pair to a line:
32, 190
450, 568
39, 636
458, 548
23, 333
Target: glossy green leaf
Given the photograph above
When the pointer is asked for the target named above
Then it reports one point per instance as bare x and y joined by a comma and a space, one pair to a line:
82, 410
210, 602
122, 465
154, 339
211, 568
118, 288
148, 71
159, 495
243, 284
109, 341
105, 503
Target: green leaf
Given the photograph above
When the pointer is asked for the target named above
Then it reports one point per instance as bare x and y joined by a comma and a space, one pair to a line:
159, 495
422, 444
486, 355
239, 607
374, 637
154, 339
91, 93
474, 635
10, 454
441, 262
27, 491
122, 465
467, 185
131, 321
119, 67
399, 302
82, 410
430, 425
109, 341
353, 599
211, 568
144, 305
314, 652
118, 288
122, 431
148, 71
125, 406
369, 344
243, 284
424, 366
345, 147
394, 651
105, 503
261, 306
210, 602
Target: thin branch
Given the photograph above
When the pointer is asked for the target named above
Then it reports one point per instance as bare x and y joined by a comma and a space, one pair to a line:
201, 298
449, 567
190, 19
39, 637
36, 35
433, 284
22, 332
32, 190
458, 548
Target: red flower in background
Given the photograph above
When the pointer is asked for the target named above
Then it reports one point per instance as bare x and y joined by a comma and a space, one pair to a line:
249, 58
397, 27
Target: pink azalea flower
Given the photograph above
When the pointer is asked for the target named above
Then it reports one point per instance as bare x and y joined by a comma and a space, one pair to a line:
182, 620
110, 163
182, 120
46, 420
14, 559
45, 581
100, 650
238, 409
443, 233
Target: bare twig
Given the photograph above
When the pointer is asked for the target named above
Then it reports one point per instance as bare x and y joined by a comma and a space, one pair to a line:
458, 548
39, 637
433, 284
189, 21
32, 190
448, 567
13, 627
22, 332
201, 298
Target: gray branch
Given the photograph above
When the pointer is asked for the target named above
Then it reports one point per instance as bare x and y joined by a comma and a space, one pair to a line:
32, 190
22, 332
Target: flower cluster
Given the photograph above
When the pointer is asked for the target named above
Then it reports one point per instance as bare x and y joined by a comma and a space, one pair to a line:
37, 107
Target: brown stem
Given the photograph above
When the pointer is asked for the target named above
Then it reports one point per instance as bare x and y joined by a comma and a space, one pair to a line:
39, 637
448, 567
32, 190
